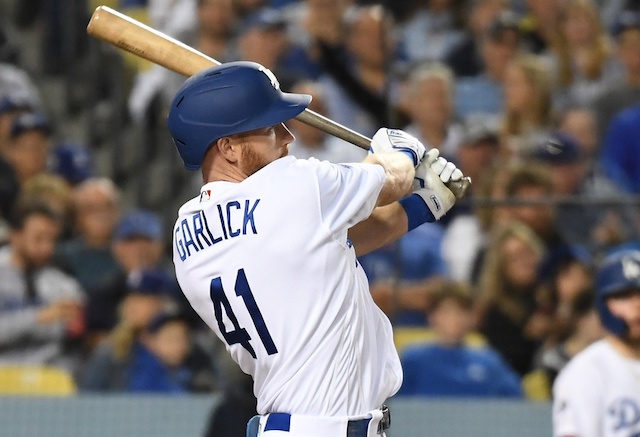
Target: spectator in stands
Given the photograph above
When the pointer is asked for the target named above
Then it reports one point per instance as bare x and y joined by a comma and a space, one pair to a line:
449, 367
159, 360
507, 308
9, 189
619, 155
581, 123
403, 275
137, 245
40, 306
17, 84
431, 108
476, 157
586, 224
53, 190
171, 17
481, 96
10, 108
29, 145
213, 35
465, 58
531, 186
116, 364
72, 161
540, 25
89, 256
527, 105
583, 329
624, 92
263, 38
354, 53
582, 56
433, 30
311, 141
563, 278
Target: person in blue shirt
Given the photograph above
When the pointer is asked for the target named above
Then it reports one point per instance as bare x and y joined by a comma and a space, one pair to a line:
403, 274
448, 366
619, 155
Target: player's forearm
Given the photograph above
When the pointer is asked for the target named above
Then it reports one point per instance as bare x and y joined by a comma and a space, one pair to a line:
399, 174
385, 225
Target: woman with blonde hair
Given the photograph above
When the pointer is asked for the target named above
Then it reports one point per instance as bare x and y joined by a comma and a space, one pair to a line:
527, 106
508, 310
582, 56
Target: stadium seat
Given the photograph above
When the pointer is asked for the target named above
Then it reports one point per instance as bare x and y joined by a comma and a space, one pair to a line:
404, 336
35, 380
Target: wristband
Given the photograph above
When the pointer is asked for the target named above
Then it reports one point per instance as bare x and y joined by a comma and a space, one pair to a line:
413, 156
417, 211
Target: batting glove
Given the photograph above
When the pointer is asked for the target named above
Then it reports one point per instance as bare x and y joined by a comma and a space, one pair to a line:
395, 140
429, 183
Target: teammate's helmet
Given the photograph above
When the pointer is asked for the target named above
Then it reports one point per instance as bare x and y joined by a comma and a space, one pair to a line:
618, 273
224, 100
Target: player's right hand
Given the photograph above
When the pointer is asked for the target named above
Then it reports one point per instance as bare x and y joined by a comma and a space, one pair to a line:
395, 140
429, 183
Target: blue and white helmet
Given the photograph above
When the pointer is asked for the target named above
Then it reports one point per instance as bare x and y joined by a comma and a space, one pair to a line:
224, 100
618, 272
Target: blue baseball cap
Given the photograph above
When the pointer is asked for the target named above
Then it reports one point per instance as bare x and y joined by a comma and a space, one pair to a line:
263, 18
627, 19
14, 103
28, 121
559, 148
153, 282
73, 162
164, 317
143, 224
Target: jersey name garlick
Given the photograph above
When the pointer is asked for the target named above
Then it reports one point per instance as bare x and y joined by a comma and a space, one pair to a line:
198, 231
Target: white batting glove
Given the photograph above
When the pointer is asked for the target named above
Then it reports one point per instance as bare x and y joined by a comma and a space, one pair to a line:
429, 183
395, 140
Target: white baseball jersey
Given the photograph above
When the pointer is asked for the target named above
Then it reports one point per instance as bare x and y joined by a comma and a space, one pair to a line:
267, 265
597, 395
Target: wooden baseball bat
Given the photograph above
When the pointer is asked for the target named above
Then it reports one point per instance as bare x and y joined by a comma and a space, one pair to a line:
135, 37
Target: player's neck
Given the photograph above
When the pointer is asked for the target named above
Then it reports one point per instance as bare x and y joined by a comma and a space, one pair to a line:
624, 347
217, 173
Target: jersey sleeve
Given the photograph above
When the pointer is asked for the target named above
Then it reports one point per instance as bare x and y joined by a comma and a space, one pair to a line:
576, 405
348, 192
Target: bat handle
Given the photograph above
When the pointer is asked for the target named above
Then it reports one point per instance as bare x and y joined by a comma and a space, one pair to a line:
458, 188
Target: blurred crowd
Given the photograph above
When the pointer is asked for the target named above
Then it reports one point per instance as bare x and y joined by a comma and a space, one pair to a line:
538, 101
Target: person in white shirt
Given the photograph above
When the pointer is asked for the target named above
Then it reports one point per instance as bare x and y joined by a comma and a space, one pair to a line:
266, 253
598, 393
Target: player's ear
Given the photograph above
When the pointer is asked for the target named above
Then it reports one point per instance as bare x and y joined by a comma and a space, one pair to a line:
227, 148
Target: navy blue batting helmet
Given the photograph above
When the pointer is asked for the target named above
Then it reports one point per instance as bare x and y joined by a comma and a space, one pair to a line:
227, 99
619, 272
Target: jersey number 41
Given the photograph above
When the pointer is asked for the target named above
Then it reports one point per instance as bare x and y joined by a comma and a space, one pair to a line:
239, 334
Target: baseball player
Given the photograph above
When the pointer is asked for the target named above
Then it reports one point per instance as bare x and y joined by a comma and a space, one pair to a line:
598, 393
266, 253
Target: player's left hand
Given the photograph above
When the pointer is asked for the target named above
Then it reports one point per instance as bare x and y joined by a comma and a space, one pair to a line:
446, 170
396, 140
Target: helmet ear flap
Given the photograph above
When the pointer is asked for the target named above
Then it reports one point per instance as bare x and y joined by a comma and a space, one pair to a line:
227, 99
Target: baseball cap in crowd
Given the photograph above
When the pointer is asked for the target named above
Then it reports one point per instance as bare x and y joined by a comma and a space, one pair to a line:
163, 318
29, 121
71, 161
263, 18
506, 20
627, 19
14, 103
559, 148
478, 132
143, 224
154, 282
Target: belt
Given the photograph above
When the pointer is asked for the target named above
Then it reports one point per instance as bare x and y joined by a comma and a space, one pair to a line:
355, 428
